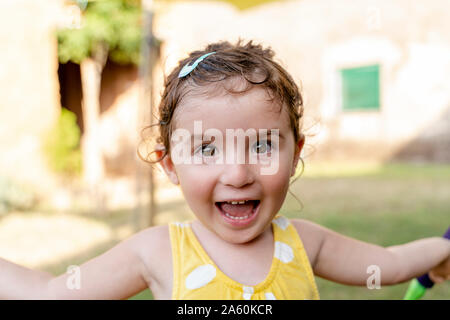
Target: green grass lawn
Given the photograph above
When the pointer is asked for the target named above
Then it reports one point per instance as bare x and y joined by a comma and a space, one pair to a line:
384, 205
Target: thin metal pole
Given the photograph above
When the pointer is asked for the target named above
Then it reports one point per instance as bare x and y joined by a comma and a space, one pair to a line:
144, 179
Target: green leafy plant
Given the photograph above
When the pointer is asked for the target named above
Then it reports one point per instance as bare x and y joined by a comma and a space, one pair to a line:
62, 145
114, 25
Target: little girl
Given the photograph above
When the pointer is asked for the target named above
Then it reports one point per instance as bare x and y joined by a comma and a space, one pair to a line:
239, 247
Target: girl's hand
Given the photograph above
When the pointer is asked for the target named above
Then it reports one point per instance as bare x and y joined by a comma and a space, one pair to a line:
441, 272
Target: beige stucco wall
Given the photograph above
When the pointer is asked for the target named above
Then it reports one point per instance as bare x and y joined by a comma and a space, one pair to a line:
28, 87
314, 38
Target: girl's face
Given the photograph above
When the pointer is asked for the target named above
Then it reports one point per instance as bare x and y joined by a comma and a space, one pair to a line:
208, 185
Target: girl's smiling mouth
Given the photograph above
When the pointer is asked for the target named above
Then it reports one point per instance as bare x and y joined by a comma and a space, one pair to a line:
238, 212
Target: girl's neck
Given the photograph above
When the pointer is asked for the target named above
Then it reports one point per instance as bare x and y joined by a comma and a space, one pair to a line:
203, 233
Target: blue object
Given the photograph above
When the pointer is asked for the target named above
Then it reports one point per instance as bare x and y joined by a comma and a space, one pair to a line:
419, 285
188, 68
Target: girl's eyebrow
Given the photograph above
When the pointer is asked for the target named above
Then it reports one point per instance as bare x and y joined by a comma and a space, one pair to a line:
200, 137
269, 133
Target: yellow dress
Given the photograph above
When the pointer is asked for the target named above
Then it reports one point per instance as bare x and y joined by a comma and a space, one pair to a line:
195, 275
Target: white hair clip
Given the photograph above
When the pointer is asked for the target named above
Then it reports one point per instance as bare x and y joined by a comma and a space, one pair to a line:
188, 68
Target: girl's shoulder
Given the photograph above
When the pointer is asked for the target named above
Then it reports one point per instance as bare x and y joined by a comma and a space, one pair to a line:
154, 248
152, 239
311, 235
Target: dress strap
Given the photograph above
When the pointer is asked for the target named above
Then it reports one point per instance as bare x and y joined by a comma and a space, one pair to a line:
288, 235
182, 254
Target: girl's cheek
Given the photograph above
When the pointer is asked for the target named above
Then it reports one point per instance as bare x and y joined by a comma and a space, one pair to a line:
279, 180
196, 181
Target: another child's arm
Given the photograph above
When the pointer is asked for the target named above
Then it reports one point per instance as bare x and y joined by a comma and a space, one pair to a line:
345, 260
119, 273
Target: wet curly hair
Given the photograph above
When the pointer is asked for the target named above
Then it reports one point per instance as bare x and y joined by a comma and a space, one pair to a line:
247, 61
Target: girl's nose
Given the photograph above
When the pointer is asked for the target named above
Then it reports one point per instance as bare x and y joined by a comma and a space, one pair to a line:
237, 175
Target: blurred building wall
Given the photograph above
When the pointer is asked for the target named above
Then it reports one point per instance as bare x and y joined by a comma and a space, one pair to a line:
29, 102
30, 105
314, 39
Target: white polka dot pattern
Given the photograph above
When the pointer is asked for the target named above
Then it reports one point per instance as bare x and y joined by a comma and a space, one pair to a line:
248, 291
282, 222
283, 252
270, 296
200, 276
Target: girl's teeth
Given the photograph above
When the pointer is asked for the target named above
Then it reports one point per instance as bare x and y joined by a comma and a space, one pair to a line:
236, 202
236, 218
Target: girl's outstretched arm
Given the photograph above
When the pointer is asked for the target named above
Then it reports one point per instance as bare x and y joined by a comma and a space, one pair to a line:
349, 261
17, 282
118, 273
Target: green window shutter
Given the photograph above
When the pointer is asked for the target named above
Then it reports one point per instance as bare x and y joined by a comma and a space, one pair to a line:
361, 88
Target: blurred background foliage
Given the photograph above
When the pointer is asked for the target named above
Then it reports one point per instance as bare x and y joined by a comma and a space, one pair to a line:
115, 24
62, 145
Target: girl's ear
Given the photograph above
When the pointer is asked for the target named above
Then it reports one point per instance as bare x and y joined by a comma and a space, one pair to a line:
298, 150
167, 164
